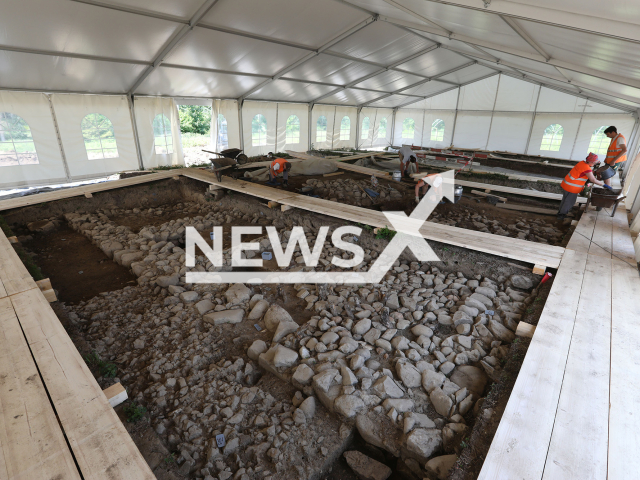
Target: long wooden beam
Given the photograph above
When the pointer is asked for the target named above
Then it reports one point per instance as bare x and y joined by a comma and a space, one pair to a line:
517, 249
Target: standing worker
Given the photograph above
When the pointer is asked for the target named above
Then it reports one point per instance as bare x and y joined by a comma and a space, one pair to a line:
575, 181
408, 161
616, 153
279, 166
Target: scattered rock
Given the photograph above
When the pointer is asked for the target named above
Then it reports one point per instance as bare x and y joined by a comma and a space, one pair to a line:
366, 468
225, 316
238, 293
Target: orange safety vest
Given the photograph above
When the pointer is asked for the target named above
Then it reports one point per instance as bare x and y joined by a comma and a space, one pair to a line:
613, 151
574, 182
277, 166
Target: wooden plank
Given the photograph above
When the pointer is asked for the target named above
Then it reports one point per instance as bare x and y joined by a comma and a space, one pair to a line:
306, 156
538, 269
519, 447
50, 295
365, 170
3, 291
508, 247
525, 330
44, 284
580, 240
486, 194
516, 191
624, 434
78, 191
116, 394
527, 208
584, 399
13, 239
14, 276
99, 441
602, 235
334, 174
621, 241
32, 444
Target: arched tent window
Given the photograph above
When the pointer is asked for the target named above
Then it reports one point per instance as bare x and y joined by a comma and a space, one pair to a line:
382, 129
99, 137
599, 143
259, 131
365, 128
552, 138
293, 129
162, 135
321, 129
345, 128
408, 128
437, 130
223, 136
16, 142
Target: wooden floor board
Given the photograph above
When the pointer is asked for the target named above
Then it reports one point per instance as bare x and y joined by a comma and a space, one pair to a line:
32, 445
99, 441
621, 241
580, 240
519, 447
579, 443
14, 276
602, 234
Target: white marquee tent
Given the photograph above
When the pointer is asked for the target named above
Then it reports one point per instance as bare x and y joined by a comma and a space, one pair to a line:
492, 74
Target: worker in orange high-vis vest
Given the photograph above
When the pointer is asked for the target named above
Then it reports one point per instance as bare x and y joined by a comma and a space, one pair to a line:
279, 166
617, 151
575, 181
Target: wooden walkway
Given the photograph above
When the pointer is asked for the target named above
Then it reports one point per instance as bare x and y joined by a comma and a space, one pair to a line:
571, 414
44, 377
530, 252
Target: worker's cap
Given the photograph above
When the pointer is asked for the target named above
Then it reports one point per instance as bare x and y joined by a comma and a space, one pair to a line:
592, 158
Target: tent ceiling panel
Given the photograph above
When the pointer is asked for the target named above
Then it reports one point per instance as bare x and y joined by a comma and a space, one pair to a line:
46, 73
389, 81
434, 62
183, 9
555, 101
382, 43
473, 23
394, 101
621, 91
595, 107
351, 97
383, 8
223, 51
315, 22
429, 88
524, 63
324, 68
70, 27
516, 95
600, 53
196, 84
469, 74
443, 101
291, 91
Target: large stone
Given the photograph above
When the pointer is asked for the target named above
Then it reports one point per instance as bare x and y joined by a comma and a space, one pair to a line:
258, 310
385, 387
308, 406
473, 303
128, 258
325, 379
225, 316
487, 302
284, 357
111, 246
203, 306
368, 431
441, 466
419, 330
302, 376
274, 315
238, 293
256, 348
472, 378
423, 442
366, 468
284, 329
409, 375
520, 281
441, 402
165, 281
348, 405
501, 332
462, 318
400, 404
362, 327
486, 291
189, 297
432, 380
392, 302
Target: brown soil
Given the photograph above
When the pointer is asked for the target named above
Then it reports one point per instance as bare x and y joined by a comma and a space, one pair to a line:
78, 270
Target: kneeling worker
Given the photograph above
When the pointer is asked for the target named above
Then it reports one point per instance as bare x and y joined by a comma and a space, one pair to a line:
278, 166
408, 162
422, 187
575, 181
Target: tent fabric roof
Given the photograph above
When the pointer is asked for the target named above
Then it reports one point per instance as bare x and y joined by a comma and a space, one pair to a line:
379, 53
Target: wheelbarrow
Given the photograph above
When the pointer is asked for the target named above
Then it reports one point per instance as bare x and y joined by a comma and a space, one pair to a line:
603, 198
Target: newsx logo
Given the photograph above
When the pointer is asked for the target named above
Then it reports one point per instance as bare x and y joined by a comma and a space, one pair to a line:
408, 236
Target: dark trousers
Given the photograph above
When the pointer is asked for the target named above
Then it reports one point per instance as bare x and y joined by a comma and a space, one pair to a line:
568, 201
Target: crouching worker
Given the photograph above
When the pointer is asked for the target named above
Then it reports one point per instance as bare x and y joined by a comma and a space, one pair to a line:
408, 162
422, 187
279, 166
575, 181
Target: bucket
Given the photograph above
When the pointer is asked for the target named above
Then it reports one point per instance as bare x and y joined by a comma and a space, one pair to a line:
267, 256
608, 173
397, 175
457, 193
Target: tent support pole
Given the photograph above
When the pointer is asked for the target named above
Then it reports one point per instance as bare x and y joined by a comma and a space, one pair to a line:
309, 126
455, 119
393, 126
240, 102
578, 132
493, 111
533, 120
134, 125
358, 110
55, 124
633, 143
